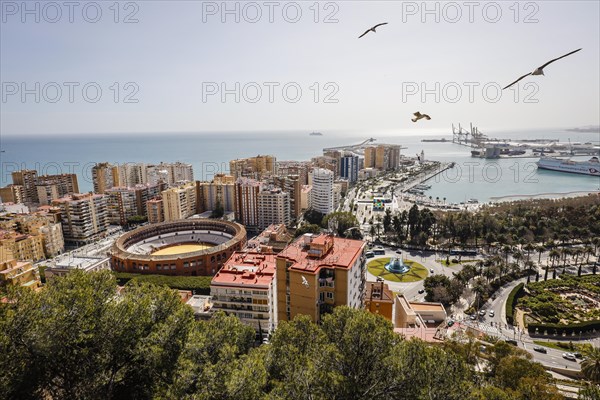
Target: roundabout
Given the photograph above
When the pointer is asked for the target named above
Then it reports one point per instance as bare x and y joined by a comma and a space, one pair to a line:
391, 269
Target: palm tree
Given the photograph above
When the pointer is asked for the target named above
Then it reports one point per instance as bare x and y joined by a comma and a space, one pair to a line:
529, 248
554, 256
591, 365
540, 249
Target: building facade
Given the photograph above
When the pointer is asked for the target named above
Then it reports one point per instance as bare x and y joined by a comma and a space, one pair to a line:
322, 190
317, 273
273, 208
245, 287
379, 299
349, 166
25, 274
246, 201
254, 167
179, 203
84, 217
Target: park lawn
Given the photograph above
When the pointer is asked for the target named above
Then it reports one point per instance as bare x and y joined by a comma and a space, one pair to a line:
417, 272
565, 345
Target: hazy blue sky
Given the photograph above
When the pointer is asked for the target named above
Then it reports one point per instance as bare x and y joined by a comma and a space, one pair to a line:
177, 48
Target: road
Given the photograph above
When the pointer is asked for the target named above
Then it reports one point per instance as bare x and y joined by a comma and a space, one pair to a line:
494, 326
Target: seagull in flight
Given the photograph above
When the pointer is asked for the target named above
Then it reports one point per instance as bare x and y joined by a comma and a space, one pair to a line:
419, 116
304, 282
540, 70
372, 29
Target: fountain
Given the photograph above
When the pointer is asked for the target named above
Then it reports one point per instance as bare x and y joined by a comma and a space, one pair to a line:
397, 266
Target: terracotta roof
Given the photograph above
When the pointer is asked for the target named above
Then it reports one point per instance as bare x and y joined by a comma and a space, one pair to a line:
343, 253
247, 269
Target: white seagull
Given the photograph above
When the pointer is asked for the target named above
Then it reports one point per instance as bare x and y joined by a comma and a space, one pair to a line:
304, 282
540, 70
372, 29
419, 116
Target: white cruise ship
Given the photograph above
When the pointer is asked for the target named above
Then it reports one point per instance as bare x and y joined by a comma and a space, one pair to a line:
590, 167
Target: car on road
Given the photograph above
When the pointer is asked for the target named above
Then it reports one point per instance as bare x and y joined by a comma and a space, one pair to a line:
421, 291
569, 356
492, 313
577, 355
482, 313
540, 349
431, 270
369, 254
512, 341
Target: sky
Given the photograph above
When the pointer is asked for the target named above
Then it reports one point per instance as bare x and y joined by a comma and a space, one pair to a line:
197, 66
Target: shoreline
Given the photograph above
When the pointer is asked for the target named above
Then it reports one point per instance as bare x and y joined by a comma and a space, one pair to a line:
555, 195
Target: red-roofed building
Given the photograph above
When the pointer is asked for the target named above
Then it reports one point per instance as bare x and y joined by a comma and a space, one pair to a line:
245, 287
318, 272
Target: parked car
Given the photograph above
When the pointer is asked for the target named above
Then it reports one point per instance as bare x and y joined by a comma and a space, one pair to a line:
512, 341
421, 291
492, 313
431, 270
577, 355
569, 356
473, 317
450, 323
540, 349
482, 313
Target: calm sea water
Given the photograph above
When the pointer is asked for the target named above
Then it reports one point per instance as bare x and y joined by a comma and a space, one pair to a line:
210, 153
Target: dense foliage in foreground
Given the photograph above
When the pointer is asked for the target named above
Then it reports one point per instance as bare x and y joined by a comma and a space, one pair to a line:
80, 338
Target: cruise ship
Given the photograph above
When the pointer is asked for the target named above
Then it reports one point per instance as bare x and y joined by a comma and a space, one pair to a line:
590, 167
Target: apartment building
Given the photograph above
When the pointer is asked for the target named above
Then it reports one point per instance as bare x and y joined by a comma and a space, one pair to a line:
155, 210
103, 177
246, 201
245, 287
316, 273
221, 191
379, 299
64, 184
272, 240
292, 185
20, 246
84, 217
382, 157
25, 274
12, 194
44, 226
254, 167
124, 203
322, 190
26, 178
349, 166
179, 202
273, 208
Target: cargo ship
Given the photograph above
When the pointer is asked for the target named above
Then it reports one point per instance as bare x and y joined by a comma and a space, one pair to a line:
590, 167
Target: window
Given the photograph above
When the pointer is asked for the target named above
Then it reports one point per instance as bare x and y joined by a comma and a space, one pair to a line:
330, 295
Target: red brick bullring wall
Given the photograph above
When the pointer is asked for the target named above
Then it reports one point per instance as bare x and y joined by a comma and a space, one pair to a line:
198, 263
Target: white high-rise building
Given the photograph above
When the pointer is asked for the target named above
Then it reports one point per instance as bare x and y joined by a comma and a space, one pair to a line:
322, 190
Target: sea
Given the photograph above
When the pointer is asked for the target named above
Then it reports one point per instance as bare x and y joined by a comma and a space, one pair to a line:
209, 153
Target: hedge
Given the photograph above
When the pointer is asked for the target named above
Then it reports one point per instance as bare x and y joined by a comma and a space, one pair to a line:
511, 300
583, 327
197, 284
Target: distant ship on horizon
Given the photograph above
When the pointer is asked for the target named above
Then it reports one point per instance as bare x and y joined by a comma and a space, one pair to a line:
315, 134
590, 167
442, 140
